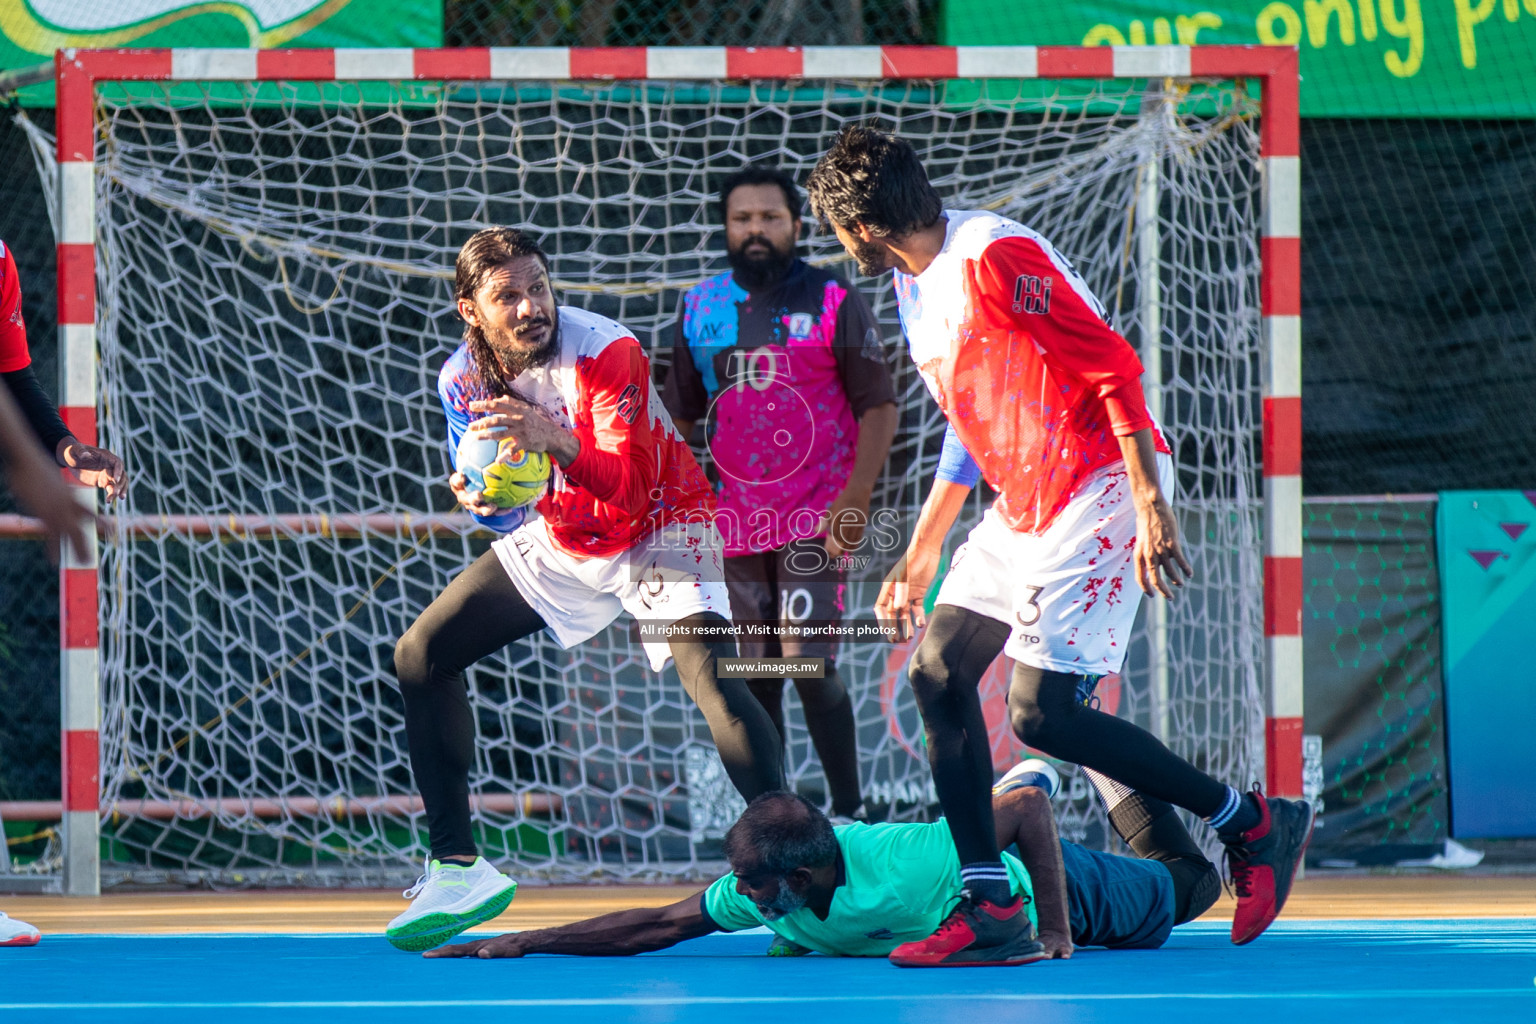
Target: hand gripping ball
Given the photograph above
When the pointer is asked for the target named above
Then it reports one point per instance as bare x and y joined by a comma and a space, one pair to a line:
507, 477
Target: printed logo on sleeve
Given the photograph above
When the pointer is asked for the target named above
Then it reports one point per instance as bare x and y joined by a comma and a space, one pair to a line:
629, 404
1032, 294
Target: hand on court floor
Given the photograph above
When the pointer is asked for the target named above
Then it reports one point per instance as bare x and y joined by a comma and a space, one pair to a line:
901, 595
1057, 946
474, 501
1159, 557
94, 467
501, 947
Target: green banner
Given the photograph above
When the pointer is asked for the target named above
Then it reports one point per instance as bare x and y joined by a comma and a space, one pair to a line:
31, 30
1359, 58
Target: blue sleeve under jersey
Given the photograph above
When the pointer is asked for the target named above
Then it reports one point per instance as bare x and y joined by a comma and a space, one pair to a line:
955, 463
449, 387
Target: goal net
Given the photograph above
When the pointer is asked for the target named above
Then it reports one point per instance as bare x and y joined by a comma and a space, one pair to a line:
274, 274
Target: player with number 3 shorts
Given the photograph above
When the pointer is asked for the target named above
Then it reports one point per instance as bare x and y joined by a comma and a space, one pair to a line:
1068, 593
1043, 398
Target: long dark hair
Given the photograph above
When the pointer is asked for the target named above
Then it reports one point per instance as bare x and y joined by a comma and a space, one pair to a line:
484, 252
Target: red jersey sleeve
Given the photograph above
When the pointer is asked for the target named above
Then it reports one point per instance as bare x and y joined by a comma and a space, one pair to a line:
1025, 286
618, 463
13, 332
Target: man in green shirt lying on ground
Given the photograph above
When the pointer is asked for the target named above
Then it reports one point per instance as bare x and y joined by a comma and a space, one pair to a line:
865, 890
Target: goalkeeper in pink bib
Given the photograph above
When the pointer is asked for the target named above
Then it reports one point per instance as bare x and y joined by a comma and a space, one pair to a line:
626, 524
1044, 400
783, 362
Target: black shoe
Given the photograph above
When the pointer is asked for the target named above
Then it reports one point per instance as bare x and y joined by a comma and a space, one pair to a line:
1263, 863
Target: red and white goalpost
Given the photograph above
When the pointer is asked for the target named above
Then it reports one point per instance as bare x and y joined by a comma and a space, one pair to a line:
575, 144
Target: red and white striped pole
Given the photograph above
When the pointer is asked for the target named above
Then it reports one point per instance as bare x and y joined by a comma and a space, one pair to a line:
76, 73
1281, 307
79, 699
1277, 70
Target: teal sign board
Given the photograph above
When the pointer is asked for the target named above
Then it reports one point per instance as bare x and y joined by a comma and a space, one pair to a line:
1487, 548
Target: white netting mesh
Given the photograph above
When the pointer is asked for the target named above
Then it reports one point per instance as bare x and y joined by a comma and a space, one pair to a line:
275, 295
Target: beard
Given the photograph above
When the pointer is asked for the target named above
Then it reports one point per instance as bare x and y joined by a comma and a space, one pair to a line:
870, 257
785, 903
515, 355
757, 270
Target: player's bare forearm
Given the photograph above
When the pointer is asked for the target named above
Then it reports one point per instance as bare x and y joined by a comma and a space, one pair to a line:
850, 509
877, 429
36, 484
940, 510
564, 448
1140, 455
1158, 558
1023, 817
622, 933
900, 601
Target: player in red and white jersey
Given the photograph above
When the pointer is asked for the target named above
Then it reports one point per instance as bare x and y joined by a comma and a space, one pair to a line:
90, 465
1039, 417
627, 525
1044, 399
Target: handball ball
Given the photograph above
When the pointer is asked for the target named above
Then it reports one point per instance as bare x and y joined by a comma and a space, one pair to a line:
507, 477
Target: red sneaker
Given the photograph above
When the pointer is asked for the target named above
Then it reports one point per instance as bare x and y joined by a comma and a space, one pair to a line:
976, 933
1263, 863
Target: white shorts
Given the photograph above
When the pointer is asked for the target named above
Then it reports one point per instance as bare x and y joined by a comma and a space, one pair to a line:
1069, 595
677, 571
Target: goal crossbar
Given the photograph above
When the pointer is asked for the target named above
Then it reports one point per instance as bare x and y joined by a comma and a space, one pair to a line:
79, 72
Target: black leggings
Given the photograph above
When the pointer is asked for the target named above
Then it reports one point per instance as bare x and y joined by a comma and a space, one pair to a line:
1152, 829
1045, 712
482, 611
829, 718
945, 671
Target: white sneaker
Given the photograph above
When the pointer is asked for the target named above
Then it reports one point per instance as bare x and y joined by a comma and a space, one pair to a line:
448, 899
17, 933
1029, 772
1452, 856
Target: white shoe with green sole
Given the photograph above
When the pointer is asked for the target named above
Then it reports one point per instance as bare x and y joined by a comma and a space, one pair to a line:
447, 900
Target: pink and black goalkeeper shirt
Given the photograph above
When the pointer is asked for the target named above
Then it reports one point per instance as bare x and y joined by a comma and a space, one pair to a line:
780, 378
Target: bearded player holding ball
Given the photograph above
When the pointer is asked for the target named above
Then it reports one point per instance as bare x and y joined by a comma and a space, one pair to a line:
626, 524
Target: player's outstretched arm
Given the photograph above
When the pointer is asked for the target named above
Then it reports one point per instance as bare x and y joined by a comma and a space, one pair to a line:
1159, 557
1023, 817
622, 933
901, 595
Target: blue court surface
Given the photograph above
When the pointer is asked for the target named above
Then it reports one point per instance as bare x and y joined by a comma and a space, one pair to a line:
1306, 971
